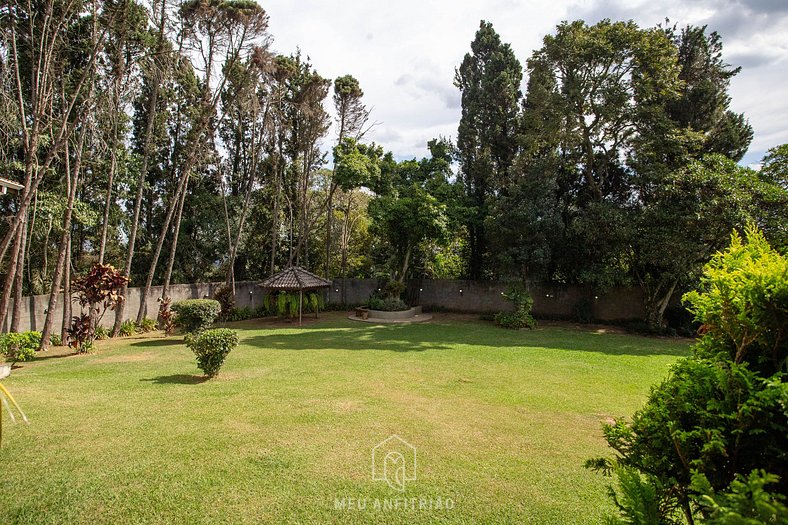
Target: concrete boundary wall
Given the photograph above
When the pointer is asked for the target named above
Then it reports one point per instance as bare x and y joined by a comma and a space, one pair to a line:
550, 300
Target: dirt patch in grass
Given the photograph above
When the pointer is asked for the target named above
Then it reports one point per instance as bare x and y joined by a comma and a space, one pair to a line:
126, 358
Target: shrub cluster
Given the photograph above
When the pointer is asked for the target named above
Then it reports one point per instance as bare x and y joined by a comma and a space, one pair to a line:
196, 315
521, 316
709, 445
20, 346
387, 304
211, 348
127, 328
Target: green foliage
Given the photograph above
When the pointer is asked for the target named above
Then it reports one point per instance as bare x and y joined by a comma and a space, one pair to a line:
128, 328
102, 333
521, 316
721, 415
489, 82
356, 164
688, 217
406, 220
387, 304
20, 346
147, 325
242, 314
211, 348
747, 502
743, 305
55, 340
284, 304
196, 315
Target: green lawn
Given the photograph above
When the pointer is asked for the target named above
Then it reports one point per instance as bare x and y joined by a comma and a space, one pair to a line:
502, 422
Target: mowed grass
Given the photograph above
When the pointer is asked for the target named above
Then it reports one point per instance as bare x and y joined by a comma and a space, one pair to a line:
502, 422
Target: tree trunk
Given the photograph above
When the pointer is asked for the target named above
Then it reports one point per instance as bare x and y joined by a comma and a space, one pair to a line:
64, 241
656, 305
66, 296
171, 260
159, 244
10, 278
18, 281
120, 310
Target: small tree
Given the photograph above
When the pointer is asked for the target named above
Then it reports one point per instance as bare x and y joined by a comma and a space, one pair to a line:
98, 291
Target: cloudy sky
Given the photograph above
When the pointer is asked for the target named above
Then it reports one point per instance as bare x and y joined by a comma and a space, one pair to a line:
404, 52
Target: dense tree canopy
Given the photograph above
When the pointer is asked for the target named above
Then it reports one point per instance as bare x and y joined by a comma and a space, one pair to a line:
168, 140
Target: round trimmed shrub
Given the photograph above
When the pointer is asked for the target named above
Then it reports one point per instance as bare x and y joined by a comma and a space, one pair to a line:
196, 315
211, 348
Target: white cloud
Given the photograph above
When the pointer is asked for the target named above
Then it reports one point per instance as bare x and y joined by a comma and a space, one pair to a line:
404, 53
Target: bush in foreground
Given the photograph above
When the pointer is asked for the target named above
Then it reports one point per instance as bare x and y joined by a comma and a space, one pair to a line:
709, 445
211, 348
195, 315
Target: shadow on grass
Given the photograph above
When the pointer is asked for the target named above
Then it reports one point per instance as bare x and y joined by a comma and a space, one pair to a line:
155, 343
177, 379
448, 335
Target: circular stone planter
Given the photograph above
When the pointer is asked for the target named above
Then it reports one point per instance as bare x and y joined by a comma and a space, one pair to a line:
412, 315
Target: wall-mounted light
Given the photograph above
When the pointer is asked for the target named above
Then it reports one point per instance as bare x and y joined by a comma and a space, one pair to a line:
596, 297
336, 289
421, 289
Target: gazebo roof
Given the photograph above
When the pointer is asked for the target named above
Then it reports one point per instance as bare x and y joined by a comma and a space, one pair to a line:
6, 185
295, 278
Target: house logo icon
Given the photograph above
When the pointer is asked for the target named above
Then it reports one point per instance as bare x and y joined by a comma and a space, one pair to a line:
394, 461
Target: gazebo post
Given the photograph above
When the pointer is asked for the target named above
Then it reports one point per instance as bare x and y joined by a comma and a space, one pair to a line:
300, 305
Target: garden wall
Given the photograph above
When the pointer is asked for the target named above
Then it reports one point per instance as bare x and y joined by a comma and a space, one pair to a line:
34, 307
442, 294
550, 300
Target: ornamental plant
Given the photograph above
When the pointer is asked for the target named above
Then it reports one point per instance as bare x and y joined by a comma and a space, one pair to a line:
521, 316
211, 348
98, 291
196, 315
166, 317
20, 346
710, 443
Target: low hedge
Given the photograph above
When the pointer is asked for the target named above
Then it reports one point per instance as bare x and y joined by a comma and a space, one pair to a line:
211, 348
196, 315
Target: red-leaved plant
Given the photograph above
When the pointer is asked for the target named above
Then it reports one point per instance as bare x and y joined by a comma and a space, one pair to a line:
99, 291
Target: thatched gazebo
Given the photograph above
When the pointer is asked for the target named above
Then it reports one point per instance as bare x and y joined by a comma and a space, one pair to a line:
295, 279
